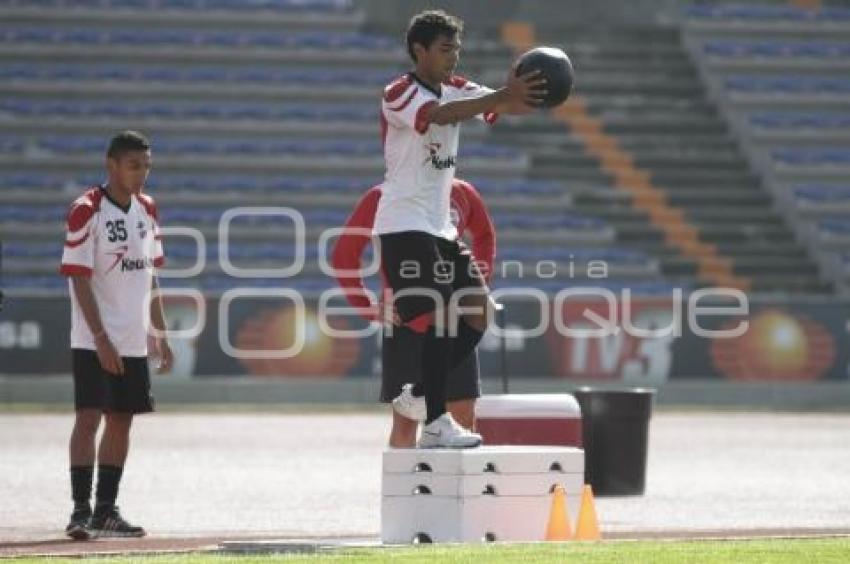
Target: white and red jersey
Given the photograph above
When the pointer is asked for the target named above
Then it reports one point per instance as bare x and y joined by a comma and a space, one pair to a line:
118, 250
420, 156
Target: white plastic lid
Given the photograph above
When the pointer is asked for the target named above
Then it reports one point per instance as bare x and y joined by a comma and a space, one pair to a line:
561, 406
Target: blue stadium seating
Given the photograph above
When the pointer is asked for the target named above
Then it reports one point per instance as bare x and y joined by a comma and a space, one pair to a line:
54, 282
800, 120
766, 12
611, 255
322, 40
11, 145
834, 226
264, 112
772, 49
14, 249
191, 182
42, 180
267, 75
817, 156
192, 215
327, 6
518, 220
821, 194
64, 144
638, 288
319, 284
32, 214
787, 84
177, 250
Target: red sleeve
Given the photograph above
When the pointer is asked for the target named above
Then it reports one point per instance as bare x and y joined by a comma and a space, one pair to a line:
149, 205
349, 250
481, 229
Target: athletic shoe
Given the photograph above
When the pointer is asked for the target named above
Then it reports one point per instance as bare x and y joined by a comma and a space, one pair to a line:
109, 523
77, 527
444, 432
410, 406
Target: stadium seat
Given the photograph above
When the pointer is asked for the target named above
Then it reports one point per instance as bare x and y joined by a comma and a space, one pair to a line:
326, 6
834, 226
787, 84
541, 221
576, 255
323, 40
262, 75
817, 156
313, 147
31, 213
766, 12
800, 120
821, 194
774, 49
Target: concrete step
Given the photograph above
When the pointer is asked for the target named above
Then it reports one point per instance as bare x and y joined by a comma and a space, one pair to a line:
720, 160
752, 216
670, 177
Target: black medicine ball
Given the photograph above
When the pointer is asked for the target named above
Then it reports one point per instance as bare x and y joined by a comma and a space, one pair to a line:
555, 66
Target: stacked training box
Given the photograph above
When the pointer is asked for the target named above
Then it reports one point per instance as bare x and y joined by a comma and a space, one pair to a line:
491, 493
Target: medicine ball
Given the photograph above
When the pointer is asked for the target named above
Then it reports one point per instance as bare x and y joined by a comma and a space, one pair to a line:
555, 66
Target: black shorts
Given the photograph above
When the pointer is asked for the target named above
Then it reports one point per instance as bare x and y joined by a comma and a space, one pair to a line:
401, 357
417, 261
94, 388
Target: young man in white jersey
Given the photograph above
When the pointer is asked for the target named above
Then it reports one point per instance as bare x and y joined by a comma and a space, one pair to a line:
112, 246
423, 262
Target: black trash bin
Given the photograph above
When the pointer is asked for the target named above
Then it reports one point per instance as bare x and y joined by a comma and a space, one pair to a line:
615, 432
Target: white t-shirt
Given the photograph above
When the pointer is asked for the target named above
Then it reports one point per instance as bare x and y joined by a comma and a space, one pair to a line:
420, 156
118, 250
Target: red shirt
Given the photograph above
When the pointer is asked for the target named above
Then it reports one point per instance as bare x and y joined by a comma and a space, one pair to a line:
468, 212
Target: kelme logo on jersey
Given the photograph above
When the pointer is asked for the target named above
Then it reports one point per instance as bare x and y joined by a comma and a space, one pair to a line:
436, 161
128, 264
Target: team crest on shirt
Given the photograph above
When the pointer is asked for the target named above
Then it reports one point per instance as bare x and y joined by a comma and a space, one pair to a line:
434, 157
142, 227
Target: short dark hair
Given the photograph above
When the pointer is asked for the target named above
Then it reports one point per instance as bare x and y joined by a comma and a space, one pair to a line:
125, 142
425, 27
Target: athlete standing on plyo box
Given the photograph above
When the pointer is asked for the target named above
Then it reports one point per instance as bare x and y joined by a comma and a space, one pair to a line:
422, 260
401, 347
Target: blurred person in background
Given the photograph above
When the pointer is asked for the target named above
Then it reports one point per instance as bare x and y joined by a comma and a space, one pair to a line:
401, 349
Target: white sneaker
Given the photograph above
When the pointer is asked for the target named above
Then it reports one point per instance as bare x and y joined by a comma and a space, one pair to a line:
408, 405
445, 432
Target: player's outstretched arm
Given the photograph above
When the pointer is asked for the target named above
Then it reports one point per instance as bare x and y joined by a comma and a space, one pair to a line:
519, 95
107, 354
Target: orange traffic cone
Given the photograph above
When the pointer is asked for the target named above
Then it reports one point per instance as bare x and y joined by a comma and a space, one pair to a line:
559, 528
587, 527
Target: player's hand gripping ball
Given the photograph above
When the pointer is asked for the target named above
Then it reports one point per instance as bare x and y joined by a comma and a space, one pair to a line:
555, 66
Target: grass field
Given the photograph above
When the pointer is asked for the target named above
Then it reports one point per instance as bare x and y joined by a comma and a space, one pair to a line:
778, 551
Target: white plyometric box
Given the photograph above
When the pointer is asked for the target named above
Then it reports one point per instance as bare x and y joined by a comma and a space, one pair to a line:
508, 459
500, 493
471, 485
466, 519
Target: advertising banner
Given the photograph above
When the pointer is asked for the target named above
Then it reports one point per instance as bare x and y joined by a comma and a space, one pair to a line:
637, 342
